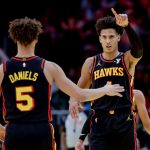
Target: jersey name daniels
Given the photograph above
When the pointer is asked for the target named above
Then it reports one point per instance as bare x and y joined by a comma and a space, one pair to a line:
104, 72
23, 75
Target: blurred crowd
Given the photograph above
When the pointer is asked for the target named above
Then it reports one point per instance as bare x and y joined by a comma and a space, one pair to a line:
69, 37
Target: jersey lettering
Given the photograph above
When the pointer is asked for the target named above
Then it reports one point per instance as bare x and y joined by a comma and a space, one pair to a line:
104, 72
23, 75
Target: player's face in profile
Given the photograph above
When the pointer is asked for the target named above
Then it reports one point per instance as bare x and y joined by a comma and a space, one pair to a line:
109, 40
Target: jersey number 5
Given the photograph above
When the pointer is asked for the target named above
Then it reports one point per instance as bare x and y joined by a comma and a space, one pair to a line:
24, 101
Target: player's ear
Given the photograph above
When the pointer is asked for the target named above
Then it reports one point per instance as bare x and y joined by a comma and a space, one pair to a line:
99, 38
119, 37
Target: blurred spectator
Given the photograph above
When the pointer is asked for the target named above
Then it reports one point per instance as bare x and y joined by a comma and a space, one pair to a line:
72, 130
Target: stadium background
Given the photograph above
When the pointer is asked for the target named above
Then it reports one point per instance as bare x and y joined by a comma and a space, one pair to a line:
69, 37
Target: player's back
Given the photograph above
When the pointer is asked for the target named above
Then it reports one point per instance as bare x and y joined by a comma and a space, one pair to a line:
26, 91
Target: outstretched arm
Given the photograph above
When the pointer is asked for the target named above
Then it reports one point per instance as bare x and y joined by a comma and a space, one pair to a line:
54, 73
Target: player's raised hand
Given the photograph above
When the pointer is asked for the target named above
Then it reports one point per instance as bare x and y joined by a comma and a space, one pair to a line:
121, 19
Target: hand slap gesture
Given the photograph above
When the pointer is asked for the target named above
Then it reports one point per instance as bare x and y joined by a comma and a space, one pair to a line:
121, 19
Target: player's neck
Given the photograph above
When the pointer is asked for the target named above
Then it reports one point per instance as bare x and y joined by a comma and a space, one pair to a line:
110, 56
25, 51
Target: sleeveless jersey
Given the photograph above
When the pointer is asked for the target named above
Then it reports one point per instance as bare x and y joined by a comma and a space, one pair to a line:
25, 90
113, 71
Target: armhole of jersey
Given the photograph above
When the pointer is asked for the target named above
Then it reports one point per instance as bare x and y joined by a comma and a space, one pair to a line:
131, 79
4, 67
133, 99
124, 65
94, 63
129, 75
43, 63
134, 105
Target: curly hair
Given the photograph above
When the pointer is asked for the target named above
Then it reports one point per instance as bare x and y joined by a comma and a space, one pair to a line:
108, 22
25, 30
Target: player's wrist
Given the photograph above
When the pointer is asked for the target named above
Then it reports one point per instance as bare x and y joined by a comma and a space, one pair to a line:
82, 137
72, 101
127, 26
80, 141
106, 90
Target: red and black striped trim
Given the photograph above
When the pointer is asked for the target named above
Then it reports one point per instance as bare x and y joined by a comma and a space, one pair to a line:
92, 72
49, 108
43, 63
93, 66
4, 67
53, 138
103, 59
24, 58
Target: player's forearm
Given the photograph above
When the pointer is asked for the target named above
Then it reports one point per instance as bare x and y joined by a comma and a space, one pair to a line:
92, 94
135, 41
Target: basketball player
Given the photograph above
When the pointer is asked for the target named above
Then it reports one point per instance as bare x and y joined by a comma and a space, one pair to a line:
139, 109
109, 128
26, 82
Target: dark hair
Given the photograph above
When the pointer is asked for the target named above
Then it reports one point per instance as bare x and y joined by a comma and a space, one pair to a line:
108, 22
24, 30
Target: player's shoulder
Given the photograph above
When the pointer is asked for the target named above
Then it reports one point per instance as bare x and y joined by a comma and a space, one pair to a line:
89, 60
138, 92
139, 96
51, 63
51, 66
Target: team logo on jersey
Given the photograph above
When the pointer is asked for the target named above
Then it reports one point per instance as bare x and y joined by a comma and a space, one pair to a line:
117, 60
96, 119
129, 118
24, 64
99, 64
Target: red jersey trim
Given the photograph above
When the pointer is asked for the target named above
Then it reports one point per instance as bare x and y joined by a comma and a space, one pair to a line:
103, 59
24, 58
94, 64
4, 67
49, 108
43, 63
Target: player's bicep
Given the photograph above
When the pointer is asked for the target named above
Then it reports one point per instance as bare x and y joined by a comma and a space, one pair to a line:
63, 82
54, 73
130, 60
85, 78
